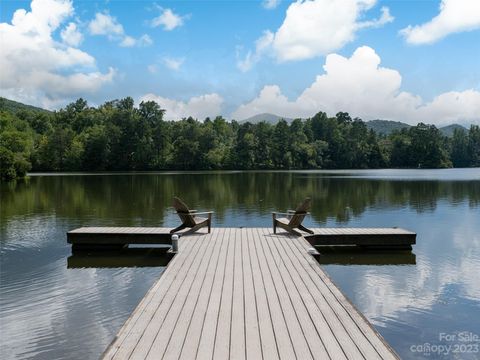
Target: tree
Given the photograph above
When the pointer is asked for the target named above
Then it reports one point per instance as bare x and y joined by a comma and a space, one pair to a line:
474, 145
459, 152
185, 153
263, 145
16, 146
95, 142
162, 144
400, 150
54, 148
281, 154
151, 112
426, 147
12, 165
244, 150
376, 158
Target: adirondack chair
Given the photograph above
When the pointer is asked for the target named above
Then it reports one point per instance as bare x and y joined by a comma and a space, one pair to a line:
293, 219
190, 218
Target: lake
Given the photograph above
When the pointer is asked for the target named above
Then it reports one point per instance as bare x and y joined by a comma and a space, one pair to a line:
57, 306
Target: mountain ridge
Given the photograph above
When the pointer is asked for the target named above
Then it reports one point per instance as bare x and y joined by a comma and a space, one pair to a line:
383, 127
15, 106
266, 117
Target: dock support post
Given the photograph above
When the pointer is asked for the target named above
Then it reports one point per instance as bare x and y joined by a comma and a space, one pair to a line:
174, 243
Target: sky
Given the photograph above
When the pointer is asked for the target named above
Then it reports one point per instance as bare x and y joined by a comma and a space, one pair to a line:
404, 60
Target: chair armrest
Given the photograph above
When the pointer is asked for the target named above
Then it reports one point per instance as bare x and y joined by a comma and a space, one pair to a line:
290, 212
275, 213
204, 213
189, 212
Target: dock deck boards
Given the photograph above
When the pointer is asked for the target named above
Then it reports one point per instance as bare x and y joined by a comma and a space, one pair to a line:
246, 294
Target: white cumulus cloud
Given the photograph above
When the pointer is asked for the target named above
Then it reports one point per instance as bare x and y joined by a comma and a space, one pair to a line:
142, 41
128, 41
36, 68
316, 27
198, 107
71, 35
270, 4
107, 25
173, 63
360, 86
261, 46
168, 20
455, 16
152, 68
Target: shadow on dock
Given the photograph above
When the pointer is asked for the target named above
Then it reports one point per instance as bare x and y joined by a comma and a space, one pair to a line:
127, 257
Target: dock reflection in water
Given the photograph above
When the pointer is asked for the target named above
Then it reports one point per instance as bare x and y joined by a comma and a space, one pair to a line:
351, 255
125, 258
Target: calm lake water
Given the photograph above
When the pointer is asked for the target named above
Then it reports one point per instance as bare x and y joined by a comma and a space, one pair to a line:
57, 306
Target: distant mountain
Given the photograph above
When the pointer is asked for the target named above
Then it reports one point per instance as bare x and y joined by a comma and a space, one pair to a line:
14, 106
385, 126
269, 118
448, 130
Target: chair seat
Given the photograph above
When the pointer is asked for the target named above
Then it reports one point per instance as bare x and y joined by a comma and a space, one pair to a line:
199, 219
283, 220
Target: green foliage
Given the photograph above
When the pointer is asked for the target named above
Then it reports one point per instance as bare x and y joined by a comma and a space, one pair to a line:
12, 165
385, 127
459, 152
474, 145
16, 146
426, 149
119, 136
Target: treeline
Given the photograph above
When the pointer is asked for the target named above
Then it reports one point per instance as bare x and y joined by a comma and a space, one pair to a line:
118, 136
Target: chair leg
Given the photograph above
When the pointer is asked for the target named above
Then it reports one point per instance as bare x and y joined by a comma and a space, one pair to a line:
196, 227
209, 224
192, 230
292, 231
301, 227
288, 229
178, 228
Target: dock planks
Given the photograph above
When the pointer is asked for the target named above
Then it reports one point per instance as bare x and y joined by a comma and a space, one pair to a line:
246, 294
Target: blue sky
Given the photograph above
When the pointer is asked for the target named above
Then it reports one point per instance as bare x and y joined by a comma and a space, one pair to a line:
240, 58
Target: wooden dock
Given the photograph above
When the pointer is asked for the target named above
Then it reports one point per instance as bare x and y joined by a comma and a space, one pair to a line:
246, 294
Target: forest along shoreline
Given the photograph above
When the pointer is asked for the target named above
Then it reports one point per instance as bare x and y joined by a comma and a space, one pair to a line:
117, 136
